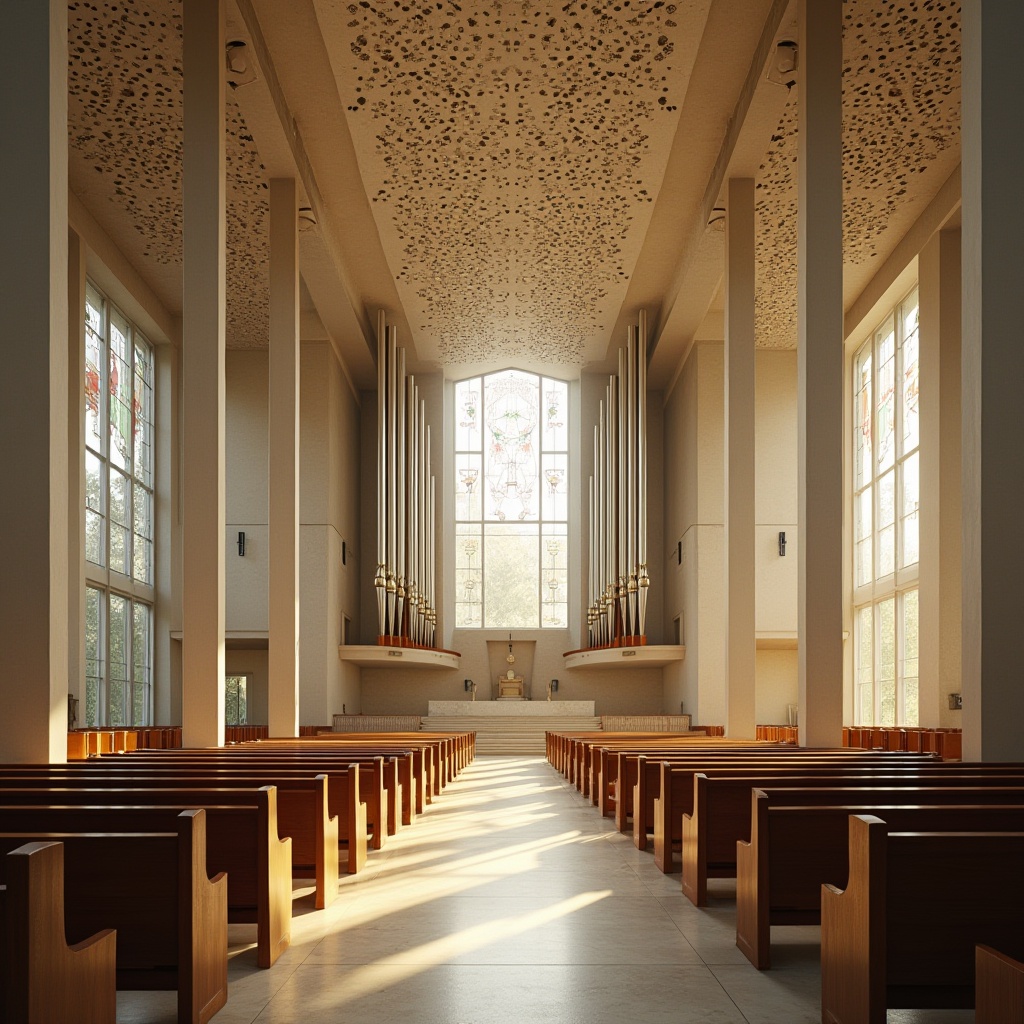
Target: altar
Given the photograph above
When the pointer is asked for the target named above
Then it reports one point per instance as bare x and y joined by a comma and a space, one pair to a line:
510, 687
511, 708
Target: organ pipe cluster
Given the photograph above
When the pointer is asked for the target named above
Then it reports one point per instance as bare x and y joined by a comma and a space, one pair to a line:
617, 612
405, 503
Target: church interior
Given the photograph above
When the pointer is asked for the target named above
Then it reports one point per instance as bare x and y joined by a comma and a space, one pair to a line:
509, 368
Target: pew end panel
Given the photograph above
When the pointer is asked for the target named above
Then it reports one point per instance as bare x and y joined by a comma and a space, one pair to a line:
998, 987
203, 936
853, 931
43, 980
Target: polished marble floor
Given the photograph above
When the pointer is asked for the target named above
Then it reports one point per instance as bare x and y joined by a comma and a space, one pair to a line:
512, 900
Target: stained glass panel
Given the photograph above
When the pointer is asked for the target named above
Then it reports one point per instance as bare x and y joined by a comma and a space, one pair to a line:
510, 476
142, 412
120, 387
863, 418
911, 374
909, 525
511, 466
94, 375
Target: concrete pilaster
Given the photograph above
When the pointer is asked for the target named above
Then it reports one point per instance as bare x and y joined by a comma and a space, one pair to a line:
993, 373
820, 373
34, 413
283, 697
203, 374
740, 576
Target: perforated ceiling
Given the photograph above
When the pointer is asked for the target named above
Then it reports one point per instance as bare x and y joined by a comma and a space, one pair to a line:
125, 135
901, 140
511, 151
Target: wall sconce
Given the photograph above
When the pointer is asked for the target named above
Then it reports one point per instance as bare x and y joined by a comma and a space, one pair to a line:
956, 701
782, 543
467, 684
241, 542
554, 686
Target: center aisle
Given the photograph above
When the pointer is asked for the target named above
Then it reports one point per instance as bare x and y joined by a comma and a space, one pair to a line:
512, 900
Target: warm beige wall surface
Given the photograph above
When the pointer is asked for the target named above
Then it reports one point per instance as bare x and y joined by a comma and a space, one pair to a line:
328, 502
245, 460
694, 510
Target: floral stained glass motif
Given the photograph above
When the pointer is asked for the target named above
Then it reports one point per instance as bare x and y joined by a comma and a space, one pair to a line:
511, 501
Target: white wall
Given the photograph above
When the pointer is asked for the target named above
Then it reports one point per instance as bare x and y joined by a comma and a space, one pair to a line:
328, 515
694, 514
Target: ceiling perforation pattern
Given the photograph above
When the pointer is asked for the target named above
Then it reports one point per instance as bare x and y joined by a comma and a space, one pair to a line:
511, 151
125, 141
901, 125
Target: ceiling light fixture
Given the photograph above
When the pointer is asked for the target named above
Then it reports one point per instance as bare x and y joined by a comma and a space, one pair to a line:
307, 219
239, 68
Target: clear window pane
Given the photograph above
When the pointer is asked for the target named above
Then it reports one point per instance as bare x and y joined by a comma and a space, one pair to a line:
120, 544
863, 519
142, 552
909, 657
909, 524
94, 648
468, 575
512, 558
886, 525
887, 661
142, 672
120, 659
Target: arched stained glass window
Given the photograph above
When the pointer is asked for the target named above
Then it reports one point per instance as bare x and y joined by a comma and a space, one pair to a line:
511, 501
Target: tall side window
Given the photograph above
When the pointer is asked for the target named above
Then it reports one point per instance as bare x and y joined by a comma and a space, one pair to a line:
511, 485
886, 507
119, 375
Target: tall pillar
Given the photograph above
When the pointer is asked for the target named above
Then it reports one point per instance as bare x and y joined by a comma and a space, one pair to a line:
283, 699
203, 374
34, 413
993, 371
940, 580
740, 655
76, 470
820, 373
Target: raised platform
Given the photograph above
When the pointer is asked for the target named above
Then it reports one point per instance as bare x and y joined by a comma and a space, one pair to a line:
512, 708
371, 656
510, 726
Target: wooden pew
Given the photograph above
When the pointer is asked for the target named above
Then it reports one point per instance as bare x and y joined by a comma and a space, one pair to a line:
647, 784
673, 829
170, 934
998, 988
322, 814
720, 816
794, 850
378, 785
903, 932
241, 839
43, 980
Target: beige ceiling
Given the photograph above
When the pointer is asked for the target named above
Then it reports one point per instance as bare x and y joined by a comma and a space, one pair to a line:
511, 181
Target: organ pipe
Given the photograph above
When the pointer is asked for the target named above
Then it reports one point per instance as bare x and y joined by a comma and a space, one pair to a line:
619, 582
404, 578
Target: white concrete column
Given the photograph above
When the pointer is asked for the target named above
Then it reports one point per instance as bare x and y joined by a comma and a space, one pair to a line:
820, 373
203, 374
283, 696
740, 655
993, 373
940, 579
34, 412
76, 470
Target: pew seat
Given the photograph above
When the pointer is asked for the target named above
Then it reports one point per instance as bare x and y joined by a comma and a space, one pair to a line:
998, 988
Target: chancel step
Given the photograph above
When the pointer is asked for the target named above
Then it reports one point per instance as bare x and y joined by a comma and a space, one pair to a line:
510, 734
